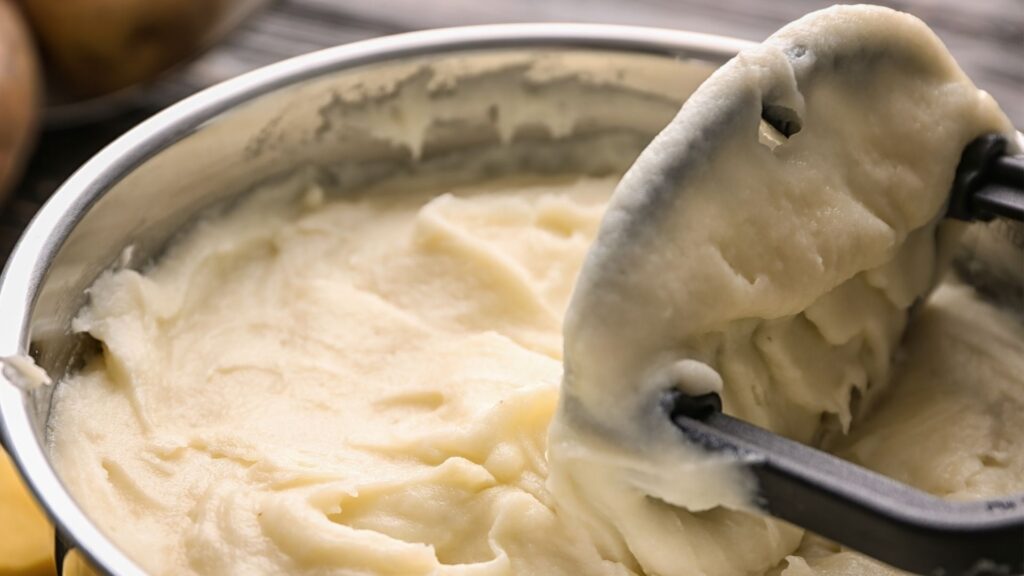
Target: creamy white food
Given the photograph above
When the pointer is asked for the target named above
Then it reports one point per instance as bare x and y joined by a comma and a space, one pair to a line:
952, 422
365, 386
355, 386
774, 262
318, 383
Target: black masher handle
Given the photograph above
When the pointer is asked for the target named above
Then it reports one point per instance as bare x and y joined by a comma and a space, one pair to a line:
868, 512
988, 182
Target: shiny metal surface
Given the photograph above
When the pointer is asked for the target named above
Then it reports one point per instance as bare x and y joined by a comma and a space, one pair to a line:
148, 184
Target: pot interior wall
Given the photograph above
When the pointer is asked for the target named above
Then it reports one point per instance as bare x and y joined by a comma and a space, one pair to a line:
523, 110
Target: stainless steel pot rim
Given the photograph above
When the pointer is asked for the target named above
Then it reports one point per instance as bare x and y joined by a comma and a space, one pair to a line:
29, 262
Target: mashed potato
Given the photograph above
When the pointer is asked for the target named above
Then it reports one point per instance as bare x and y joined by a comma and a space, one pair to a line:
319, 383
365, 386
776, 270
358, 385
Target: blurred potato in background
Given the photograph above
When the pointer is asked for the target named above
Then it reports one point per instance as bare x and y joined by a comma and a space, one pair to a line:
26, 540
19, 95
93, 47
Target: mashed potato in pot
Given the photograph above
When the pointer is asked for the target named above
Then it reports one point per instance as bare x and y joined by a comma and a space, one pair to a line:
320, 383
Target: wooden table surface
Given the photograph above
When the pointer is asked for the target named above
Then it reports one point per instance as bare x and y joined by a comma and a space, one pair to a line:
985, 36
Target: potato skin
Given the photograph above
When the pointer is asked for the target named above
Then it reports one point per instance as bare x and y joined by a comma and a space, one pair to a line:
19, 95
93, 47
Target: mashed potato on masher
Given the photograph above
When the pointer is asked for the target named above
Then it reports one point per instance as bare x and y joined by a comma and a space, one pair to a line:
363, 383
768, 245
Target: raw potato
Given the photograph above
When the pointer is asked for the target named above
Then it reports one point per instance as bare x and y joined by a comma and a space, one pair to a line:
75, 565
26, 540
99, 46
19, 89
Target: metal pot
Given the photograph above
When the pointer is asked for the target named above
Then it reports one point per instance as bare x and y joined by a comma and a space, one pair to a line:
322, 110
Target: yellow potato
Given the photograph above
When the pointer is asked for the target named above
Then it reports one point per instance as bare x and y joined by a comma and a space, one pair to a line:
19, 97
99, 46
26, 539
75, 565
